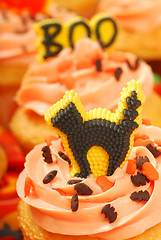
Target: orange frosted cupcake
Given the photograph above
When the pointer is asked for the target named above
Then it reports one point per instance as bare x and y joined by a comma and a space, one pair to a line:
17, 51
101, 180
140, 25
96, 75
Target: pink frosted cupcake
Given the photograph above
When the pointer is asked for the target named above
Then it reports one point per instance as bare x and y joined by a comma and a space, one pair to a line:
97, 76
17, 51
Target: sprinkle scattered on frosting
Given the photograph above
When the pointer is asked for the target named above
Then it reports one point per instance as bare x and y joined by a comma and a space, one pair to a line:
140, 196
47, 154
74, 181
74, 202
98, 65
109, 212
64, 157
83, 189
140, 160
153, 150
139, 179
50, 176
117, 73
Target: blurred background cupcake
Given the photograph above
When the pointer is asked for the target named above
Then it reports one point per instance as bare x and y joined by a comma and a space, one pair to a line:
140, 27
17, 45
12, 161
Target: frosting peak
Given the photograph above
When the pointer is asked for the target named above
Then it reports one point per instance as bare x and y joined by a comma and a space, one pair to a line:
97, 76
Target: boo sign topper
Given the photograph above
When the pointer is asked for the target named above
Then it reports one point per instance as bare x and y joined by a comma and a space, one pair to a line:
54, 35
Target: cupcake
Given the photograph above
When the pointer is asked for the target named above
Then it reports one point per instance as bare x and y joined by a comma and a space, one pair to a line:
140, 25
17, 51
96, 75
101, 180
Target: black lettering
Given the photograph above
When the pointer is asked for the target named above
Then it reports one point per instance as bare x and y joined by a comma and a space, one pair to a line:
98, 34
49, 39
73, 26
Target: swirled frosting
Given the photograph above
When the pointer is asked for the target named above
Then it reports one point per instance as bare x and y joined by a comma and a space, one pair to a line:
46, 83
51, 203
17, 36
134, 15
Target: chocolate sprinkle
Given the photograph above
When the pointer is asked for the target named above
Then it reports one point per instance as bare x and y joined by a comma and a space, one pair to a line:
83, 189
74, 181
109, 213
117, 73
98, 65
156, 153
64, 157
47, 154
140, 196
50, 176
139, 179
135, 66
140, 160
74, 202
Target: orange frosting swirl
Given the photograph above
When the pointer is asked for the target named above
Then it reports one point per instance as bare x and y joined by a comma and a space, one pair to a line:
17, 36
51, 203
46, 83
134, 15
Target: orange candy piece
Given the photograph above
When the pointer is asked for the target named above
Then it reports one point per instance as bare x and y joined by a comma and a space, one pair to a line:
104, 183
27, 187
131, 166
149, 171
142, 142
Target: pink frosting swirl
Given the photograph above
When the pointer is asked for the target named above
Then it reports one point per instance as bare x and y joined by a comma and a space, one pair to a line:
46, 83
51, 203
134, 15
17, 36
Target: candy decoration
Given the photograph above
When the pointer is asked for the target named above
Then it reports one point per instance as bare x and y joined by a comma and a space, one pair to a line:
156, 153
149, 171
97, 141
55, 35
47, 154
83, 189
139, 179
140, 196
140, 160
109, 213
50, 176
74, 203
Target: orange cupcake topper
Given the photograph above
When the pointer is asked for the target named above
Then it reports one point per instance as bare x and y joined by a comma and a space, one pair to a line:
55, 35
97, 141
